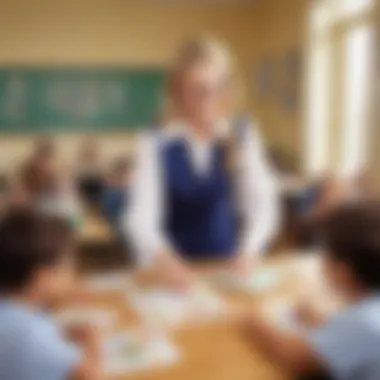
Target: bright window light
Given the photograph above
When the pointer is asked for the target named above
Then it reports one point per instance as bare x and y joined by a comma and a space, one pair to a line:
355, 100
320, 16
347, 8
351, 90
318, 110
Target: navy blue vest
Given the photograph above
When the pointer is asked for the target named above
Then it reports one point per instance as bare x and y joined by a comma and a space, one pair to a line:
201, 220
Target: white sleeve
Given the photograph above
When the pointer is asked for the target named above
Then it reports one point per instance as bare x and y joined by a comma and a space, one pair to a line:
143, 219
258, 195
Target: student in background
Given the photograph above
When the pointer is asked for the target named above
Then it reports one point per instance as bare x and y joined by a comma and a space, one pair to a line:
45, 149
36, 271
4, 192
90, 175
46, 185
315, 202
203, 189
115, 194
347, 346
40, 170
366, 185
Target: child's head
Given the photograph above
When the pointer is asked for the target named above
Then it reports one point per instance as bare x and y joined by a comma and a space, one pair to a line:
120, 172
40, 176
35, 257
201, 86
352, 237
45, 149
89, 153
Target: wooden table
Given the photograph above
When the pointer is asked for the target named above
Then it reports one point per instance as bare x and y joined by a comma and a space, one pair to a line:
215, 350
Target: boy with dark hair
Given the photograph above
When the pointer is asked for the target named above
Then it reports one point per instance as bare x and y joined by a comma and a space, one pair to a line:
347, 347
36, 270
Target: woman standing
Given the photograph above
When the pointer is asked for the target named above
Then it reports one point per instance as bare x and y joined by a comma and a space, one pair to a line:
202, 188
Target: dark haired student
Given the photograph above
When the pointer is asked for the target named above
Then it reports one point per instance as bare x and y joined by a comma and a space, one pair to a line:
36, 270
347, 346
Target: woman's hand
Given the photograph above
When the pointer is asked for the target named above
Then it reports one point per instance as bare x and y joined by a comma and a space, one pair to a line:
243, 263
83, 334
309, 314
174, 272
316, 309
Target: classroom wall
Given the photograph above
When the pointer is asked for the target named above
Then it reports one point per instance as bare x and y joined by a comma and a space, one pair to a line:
146, 33
108, 32
282, 26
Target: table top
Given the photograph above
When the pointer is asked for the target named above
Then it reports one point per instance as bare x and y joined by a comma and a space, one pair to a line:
216, 350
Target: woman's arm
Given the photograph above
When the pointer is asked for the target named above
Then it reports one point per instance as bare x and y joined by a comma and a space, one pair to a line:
145, 215
143, 218
259, 197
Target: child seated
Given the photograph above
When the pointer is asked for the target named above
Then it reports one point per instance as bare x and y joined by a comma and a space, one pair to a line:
36, 271
316, 202
114, 199
347, 347
47, 187
90, 177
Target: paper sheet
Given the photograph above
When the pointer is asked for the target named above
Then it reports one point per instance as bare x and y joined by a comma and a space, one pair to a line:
163, 307
108, 282
101, 318
260, 280
264, 279
281, 313
131, 351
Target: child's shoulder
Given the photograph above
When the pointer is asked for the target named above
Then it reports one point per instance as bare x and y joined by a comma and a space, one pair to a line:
368, 315
358, 325
22, 322
31, 340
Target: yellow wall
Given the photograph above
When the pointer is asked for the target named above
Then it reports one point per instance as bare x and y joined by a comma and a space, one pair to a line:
142, 32
107, 32
282, 27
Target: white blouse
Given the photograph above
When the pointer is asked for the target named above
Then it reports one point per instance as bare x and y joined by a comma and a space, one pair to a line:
255, 185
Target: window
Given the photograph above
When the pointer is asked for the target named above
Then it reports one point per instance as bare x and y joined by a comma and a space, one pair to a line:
354, 126
339, 72
349, 8
318, 112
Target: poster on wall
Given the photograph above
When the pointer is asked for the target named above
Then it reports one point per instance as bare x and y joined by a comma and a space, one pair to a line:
265, 78
291, 80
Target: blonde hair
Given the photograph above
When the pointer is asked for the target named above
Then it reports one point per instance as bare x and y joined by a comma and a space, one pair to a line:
203, 50
206, 49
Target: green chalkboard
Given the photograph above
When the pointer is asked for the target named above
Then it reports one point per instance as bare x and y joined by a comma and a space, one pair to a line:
43, 100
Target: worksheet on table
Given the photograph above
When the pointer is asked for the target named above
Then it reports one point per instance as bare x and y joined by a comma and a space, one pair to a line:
112, 281
133, 350
161, 306
261, 279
